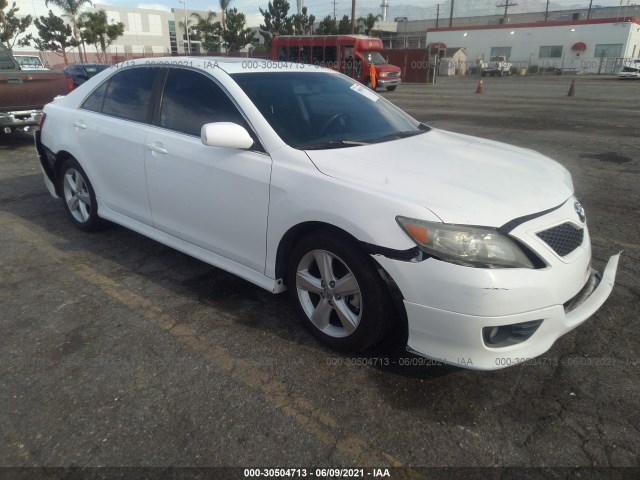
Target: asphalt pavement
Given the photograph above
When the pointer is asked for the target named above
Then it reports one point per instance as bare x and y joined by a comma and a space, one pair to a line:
119, 351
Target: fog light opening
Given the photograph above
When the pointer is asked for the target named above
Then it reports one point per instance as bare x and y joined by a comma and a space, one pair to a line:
506, 335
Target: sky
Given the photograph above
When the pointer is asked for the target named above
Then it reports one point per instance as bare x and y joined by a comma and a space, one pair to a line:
321, 8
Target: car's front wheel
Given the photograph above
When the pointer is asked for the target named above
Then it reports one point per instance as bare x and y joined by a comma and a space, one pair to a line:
341, 297
78, 196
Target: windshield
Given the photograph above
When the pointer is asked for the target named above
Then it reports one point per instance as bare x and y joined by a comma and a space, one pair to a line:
325, 110
373, 57
94, 69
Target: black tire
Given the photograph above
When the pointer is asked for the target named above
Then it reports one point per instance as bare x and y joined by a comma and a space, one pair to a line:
85, 216
371, 306
391, 89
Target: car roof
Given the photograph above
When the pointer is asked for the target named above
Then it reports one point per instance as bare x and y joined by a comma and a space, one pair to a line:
229, 65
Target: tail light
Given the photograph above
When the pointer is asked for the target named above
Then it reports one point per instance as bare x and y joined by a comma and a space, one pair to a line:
70, 83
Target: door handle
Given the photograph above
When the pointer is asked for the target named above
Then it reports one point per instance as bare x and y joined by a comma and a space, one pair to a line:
154, 147
79, 124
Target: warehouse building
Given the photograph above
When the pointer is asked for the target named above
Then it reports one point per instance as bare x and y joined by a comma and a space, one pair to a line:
600, 45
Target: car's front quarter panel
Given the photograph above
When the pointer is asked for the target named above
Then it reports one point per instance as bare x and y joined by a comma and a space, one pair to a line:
300, 194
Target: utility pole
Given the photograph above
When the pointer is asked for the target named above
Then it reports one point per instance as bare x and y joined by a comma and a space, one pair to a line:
506, 6
186, 26
438, 16
451, 15
546, 12
334, 8
589, 12
353, 17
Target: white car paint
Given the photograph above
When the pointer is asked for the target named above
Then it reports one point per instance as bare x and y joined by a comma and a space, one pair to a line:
232, 208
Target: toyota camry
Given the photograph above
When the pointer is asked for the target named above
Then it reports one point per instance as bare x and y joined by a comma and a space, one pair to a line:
299, 179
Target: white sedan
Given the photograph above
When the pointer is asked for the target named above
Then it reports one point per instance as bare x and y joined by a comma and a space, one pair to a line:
630, 70
298, 178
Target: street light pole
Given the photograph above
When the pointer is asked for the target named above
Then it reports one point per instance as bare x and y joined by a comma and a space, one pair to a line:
186, 26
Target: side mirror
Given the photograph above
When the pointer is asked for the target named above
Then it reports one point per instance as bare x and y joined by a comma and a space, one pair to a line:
225, 135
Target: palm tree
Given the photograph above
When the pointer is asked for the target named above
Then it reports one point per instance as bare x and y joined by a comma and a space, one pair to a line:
207, 30
369, 22
71, 10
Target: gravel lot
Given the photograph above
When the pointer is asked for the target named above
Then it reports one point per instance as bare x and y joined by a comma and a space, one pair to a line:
119, 351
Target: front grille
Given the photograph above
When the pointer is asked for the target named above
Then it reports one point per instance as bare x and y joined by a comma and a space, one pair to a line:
563, 239
393, 74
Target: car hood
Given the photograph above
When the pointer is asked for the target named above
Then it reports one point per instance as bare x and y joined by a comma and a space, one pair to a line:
461, 179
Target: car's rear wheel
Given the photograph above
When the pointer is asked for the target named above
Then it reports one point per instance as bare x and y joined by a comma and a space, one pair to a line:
342, 299
78, 196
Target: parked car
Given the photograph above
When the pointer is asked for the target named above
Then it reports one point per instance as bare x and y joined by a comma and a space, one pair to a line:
80, 73
30, 62
497, 66
303, 179
23, 93
630, 70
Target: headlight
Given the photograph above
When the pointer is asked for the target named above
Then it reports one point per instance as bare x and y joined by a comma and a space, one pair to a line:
384, 74
470, 246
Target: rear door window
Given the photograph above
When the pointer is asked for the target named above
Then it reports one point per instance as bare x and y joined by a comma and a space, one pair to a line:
96, 99
128, 95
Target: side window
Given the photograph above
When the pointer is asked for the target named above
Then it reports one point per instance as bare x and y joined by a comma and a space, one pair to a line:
6, 62
331, 57
293, 54
129, 94
304, 54
96, 99
191, 99
317, 58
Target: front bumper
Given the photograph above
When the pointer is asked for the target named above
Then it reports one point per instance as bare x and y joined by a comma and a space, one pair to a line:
458, 314
457, 339
388, 82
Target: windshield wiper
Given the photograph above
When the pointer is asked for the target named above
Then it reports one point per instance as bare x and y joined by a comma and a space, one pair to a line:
332, 144
396, 135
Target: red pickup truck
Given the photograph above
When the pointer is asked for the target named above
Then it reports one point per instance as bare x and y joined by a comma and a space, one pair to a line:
23, 93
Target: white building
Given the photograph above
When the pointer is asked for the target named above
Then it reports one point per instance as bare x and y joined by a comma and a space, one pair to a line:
147, 32
588, 46
583, 46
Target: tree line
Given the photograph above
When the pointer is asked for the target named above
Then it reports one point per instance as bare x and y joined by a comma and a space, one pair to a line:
77, 29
